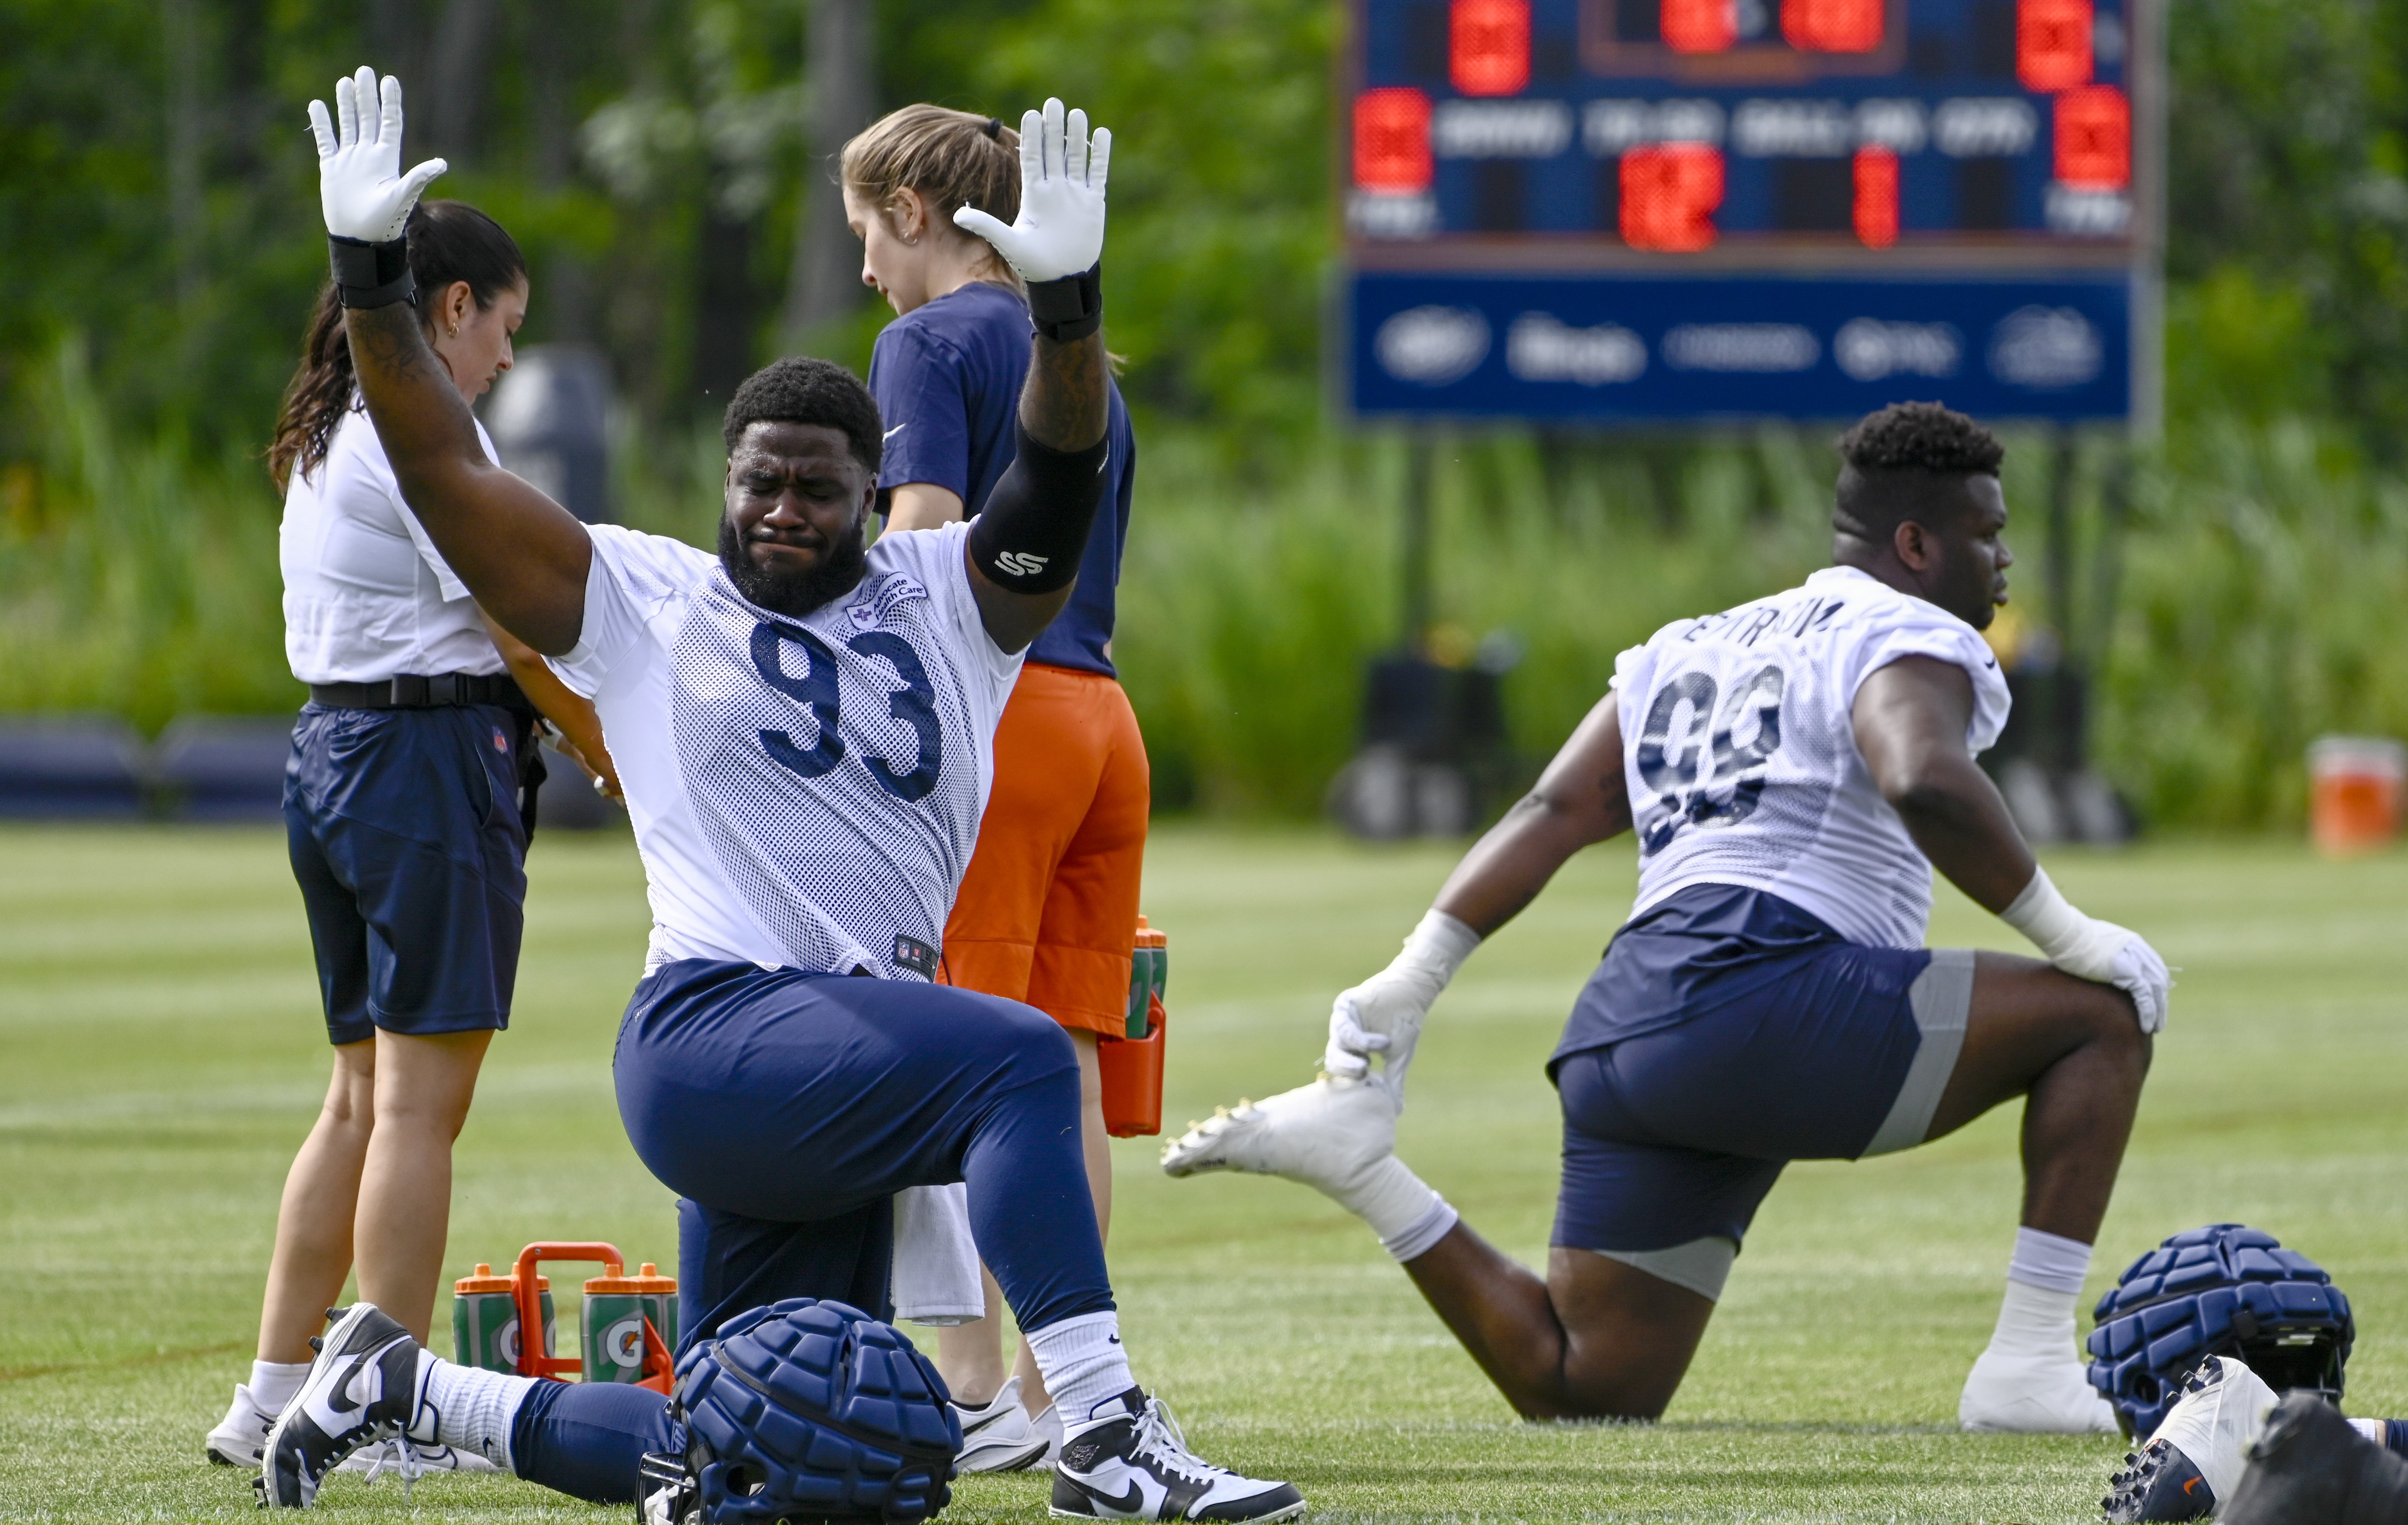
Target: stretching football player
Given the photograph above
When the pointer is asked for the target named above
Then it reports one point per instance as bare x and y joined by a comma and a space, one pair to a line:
1794, 768
803, 728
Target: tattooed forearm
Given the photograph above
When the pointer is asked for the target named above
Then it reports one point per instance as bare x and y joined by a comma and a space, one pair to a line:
394, 342
1063, 406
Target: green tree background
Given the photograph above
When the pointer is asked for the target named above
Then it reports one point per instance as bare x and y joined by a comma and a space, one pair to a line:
160, 247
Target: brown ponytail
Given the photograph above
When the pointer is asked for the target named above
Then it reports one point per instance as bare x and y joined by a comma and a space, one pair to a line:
449, 242
951, 158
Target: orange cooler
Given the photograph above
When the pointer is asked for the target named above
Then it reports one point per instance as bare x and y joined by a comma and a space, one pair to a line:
1132, 1066
2354, 793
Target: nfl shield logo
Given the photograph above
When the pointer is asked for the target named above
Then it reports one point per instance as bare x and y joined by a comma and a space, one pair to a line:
501, 742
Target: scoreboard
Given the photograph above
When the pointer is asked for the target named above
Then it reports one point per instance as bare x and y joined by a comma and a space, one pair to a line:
1689, 210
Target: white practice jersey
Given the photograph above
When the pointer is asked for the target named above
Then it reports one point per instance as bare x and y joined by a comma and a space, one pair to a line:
1741, 752
805, 792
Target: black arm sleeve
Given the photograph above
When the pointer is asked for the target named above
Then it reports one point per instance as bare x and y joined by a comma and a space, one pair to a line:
1030, 535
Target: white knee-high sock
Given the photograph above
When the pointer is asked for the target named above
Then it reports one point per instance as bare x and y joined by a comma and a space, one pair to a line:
464, 1406
2043, 1281
1083, 1364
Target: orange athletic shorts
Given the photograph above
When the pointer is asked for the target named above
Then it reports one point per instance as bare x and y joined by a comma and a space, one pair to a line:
1047, 909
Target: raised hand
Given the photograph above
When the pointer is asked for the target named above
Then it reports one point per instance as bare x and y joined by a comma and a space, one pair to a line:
1060, 229
360, 188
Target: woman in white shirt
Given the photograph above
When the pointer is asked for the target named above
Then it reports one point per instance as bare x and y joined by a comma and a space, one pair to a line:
402, 806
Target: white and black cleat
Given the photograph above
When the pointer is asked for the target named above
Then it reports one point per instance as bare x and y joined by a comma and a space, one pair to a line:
241, 1436
2191, 1462
1135, 1464
999, 1435
364, 1387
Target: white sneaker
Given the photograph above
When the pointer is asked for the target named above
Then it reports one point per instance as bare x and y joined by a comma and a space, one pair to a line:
1049, 1424
1329, 1135
2189, 1466
1135, 1464
999, 1436
409, 1460
241, 1436
2029, 1395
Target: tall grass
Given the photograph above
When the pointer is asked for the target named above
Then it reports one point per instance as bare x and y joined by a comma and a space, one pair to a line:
135, 579
2263, 587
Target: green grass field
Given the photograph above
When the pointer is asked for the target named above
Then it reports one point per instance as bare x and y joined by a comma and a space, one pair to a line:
160, 1058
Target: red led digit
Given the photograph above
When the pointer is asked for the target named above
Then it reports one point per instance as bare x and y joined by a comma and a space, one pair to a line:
2094, 139
1670, 191
1698, 26
2052, 44
1832, 26
1392, 148
1877, 198
1488, 46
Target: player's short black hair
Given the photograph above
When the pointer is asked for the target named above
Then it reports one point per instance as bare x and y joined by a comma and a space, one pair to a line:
1922, 436
1907, 461
800, 390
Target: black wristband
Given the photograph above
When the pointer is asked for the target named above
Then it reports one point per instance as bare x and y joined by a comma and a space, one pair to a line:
1068, 309
371, 275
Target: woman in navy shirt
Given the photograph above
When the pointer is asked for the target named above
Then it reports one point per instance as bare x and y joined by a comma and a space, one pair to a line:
1048, 906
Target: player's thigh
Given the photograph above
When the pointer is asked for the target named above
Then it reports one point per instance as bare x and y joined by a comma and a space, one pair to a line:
1081, 974
2024, 1016
785, 1096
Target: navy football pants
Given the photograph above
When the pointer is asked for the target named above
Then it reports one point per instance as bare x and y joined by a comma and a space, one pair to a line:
787, 1109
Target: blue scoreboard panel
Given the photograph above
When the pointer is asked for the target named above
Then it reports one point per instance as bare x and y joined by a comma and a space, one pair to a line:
1679, 210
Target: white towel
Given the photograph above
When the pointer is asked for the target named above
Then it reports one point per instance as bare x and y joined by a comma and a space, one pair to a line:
935, 1266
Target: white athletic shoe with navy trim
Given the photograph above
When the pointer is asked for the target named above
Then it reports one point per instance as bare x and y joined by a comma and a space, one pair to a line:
2192, 1462
365, 1386
998, 1435
242, 1435
1136, 1465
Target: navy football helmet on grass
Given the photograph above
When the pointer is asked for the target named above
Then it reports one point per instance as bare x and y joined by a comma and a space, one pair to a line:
2222, 1290
806, 1411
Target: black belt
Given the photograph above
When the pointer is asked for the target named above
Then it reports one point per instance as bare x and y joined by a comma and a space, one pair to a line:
412, 691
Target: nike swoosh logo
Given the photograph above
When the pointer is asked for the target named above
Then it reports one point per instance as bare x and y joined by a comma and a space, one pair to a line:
1129, 1502
2192, 1484
893, 432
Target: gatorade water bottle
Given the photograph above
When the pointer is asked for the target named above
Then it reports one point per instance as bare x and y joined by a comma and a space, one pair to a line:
485, 1320
615, 1310
1132, 1066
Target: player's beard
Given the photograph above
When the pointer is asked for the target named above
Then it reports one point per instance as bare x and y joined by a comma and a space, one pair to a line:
795, 594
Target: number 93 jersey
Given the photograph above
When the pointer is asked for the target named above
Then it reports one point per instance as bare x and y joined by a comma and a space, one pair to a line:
806, 791
1741, 754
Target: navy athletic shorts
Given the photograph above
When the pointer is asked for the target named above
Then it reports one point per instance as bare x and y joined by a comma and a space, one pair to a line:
787, 1108
404, 831
1726, 1033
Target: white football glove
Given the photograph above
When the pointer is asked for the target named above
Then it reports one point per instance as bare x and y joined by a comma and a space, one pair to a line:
361, 187
2090, 949
1383, 1015
1060, 229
